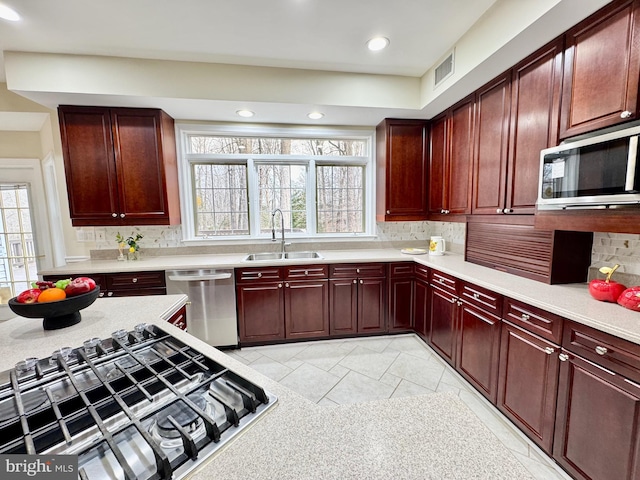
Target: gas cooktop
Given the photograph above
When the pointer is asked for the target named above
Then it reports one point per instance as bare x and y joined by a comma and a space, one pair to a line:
140, 405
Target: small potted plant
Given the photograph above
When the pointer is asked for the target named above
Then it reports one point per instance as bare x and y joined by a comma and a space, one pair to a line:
131, 242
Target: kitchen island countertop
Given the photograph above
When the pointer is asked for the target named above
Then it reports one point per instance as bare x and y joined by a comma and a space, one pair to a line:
427, 436
571, 301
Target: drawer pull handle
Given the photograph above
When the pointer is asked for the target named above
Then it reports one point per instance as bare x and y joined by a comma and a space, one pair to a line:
525, 317
563, 357
259, 274
476, 296
134, 280
601, 350
549, 350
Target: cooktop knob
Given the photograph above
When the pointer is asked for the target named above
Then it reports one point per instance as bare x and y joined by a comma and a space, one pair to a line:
91, 344
27, 364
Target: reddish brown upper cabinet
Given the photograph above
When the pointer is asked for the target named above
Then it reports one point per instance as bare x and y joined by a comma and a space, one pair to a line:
601, 70
536, 84
120, 166
450, 162
401, 170
493, 103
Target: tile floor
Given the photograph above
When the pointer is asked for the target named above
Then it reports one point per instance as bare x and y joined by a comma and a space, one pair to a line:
333, 372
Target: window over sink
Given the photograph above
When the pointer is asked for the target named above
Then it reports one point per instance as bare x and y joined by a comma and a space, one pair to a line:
234, 177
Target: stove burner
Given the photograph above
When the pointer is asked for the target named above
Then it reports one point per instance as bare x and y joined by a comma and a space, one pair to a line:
182, 414
31, 400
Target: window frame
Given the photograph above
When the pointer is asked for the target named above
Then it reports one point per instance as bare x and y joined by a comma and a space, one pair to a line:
187, 184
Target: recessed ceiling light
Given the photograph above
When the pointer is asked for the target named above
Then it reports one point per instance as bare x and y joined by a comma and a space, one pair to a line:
8, 13
315, 115
378, 43
245, 113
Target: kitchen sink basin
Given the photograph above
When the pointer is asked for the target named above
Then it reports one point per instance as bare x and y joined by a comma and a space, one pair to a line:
257, 257
292, 255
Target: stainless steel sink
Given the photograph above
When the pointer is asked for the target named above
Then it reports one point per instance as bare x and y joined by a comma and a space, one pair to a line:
292, 255
257, 257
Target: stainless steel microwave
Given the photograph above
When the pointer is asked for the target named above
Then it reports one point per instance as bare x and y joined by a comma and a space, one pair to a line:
602, 171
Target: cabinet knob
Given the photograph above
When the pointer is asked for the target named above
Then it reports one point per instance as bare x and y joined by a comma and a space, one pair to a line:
355, 281
476, 296
388, 212
525, 317
563, 357
114, 215
459, 303
508, 210
286, 284
549, 350
306, 272
279, 285
110, 294
361, 282
442, 210
498, 210
101, 294
259, 274
134, 280
453, 299
441, 280
601, 350
626, 114
122, 215
357, 270
446, 212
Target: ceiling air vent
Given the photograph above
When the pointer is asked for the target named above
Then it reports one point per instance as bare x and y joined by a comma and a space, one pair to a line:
444, 70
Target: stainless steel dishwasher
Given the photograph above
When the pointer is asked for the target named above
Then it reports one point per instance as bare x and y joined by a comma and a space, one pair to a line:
211, 314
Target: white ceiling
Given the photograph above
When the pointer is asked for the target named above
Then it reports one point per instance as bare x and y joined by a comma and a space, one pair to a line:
325, 35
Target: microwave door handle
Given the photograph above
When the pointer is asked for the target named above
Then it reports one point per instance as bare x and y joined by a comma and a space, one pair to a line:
630, 179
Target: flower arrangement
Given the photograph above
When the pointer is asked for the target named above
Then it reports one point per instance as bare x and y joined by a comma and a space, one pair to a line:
132, 242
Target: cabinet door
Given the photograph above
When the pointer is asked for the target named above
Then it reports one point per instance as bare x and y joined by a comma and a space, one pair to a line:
343, 306
438, 153
478, 349
460, 160
528, 383
307, 309
492, 135
371, 305
421, 307
137, 135
442, 334
601, 70
87, 147
402, 171
401, 304
535, 106
597, 422
179, 319
261, 311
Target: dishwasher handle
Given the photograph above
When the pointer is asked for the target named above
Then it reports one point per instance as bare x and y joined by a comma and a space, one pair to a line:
191, 278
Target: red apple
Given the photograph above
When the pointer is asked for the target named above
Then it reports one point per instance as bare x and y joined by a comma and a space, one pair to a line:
90, 281
606, 290
78, 286
630, 299
29, 296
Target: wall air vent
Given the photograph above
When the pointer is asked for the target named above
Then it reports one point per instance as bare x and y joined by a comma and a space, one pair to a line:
444, 70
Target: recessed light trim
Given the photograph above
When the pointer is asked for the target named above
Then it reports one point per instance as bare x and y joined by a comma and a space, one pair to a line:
8, 13
245, 113
378, 43
315, 115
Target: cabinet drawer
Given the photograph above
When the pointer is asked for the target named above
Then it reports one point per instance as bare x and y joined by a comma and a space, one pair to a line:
611, 352
135, 280
422, 272
349, 270
404, 269
306, 271
538, 321
244, 275
443, 280
482, 298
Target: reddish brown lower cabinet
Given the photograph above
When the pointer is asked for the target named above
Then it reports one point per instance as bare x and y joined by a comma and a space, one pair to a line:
123, 284
421, 306
179, 319
401, 291
261, 311
306, 309
357, 299
444, 323
597, 422
478, 349
528, 383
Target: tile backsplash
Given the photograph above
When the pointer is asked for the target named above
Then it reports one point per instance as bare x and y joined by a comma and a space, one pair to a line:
621, 248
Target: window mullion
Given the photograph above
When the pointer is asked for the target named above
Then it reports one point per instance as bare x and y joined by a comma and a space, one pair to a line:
311, 198
254, 198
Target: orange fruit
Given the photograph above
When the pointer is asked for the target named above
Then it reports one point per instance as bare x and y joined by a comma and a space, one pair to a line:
52, 295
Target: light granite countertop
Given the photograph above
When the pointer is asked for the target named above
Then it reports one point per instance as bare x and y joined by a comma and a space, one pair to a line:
571, 301
429, 436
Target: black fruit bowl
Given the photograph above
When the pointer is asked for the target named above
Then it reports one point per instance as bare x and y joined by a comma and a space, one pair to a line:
58, 314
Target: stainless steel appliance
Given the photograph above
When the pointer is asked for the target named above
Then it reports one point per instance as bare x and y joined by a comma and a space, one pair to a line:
211, 313
601, 171
140, 405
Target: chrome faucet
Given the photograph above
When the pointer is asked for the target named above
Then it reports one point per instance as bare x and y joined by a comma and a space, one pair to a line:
273, 228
